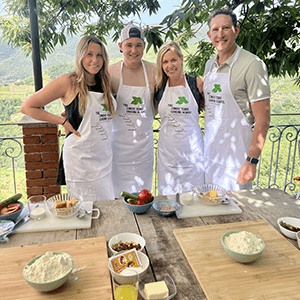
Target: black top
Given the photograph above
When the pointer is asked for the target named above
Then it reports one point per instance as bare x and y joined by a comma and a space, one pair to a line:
74, 118
192, 82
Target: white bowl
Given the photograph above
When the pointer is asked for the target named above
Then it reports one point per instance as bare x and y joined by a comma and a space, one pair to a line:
63, 212
199, 192
125, 279
51, 285
126, 237
290, 221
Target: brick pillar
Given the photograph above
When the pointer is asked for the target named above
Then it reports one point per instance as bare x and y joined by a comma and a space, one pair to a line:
41, 150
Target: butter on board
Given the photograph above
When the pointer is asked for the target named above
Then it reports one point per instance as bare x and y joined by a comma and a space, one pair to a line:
126, 259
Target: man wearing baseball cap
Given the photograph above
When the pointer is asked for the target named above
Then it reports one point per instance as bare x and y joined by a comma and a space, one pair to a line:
132, 82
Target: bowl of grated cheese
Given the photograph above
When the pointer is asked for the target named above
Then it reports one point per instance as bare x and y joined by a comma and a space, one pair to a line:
166, 207
48, 271
242, 246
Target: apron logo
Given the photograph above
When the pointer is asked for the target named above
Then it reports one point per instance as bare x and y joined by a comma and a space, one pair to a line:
104, 107
136, 100
182, 100
217, 88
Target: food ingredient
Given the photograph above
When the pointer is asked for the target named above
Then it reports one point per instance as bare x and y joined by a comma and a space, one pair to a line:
38, 213
244, 242
10, 209
120, 246
126, 259
289, 227
64, 207
126, 292
144, 197
167, 208
11, 199
48, 268
156, 290
211, 193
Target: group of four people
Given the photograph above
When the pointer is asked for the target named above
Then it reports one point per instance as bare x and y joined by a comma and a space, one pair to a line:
110, 109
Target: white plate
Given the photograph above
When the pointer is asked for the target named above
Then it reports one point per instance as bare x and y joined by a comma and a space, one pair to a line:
290, 221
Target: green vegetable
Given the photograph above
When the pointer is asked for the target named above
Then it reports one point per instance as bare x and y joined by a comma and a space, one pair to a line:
11, 199
128, 195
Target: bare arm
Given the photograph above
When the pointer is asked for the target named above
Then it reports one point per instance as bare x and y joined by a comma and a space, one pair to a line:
261, 111
58, 88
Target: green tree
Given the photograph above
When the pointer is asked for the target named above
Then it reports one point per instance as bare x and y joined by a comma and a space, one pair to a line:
57, 18
269, 29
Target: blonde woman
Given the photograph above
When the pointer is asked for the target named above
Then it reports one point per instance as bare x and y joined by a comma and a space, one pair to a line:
178, 100
89, 107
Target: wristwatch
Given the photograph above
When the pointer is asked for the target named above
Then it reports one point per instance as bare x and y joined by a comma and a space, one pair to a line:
252, 160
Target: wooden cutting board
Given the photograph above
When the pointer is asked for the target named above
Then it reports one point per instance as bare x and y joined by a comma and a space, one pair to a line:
275, 275
92, 282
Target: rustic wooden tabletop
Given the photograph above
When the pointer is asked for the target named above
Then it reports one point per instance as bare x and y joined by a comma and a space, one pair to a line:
162, 248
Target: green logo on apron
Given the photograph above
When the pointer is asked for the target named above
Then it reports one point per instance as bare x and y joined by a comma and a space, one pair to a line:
217, 88
104, 107
182, 100
137, 100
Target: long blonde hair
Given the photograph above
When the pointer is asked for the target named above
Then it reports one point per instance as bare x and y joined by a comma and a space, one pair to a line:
161, 76
81, 75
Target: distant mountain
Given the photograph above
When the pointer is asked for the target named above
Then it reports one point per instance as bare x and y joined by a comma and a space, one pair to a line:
15, 66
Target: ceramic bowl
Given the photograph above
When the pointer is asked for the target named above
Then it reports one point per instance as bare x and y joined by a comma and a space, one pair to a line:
51, 285
169, 283
240, 257
125, 279
63, 212
290, 221
13, 217
138, 209
158, 205
199, 193
126, 237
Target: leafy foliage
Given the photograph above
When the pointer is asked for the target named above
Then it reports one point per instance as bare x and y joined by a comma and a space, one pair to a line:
269, 29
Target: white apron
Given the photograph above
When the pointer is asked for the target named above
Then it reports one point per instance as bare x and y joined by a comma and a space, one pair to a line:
180, 145
132, 139
88, 159
227, 135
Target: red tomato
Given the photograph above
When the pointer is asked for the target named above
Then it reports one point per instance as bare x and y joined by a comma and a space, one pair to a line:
145, 197
10, 209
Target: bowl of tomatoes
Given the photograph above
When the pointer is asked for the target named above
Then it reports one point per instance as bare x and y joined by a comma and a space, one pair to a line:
138, 203
11, 211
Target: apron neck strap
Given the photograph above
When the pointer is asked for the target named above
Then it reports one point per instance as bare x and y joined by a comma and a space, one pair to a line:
144, 69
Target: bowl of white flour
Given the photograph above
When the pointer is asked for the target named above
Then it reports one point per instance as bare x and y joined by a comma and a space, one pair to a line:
48, 271
242, 246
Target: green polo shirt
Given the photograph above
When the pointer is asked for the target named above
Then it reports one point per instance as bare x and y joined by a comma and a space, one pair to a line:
249, 80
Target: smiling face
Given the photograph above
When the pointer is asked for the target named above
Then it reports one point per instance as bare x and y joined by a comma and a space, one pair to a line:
223, 34
172, 64
92, 61
133, 49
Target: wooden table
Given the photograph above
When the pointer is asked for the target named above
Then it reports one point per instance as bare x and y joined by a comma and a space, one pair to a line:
162, 248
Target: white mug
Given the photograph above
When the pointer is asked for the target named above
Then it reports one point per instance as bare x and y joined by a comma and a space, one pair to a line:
298, 238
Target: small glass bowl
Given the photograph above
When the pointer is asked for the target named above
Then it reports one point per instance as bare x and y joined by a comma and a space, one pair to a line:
63, 212
199, 193
169, 283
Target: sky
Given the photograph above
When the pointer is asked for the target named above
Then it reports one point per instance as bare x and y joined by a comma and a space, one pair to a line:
167, 7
